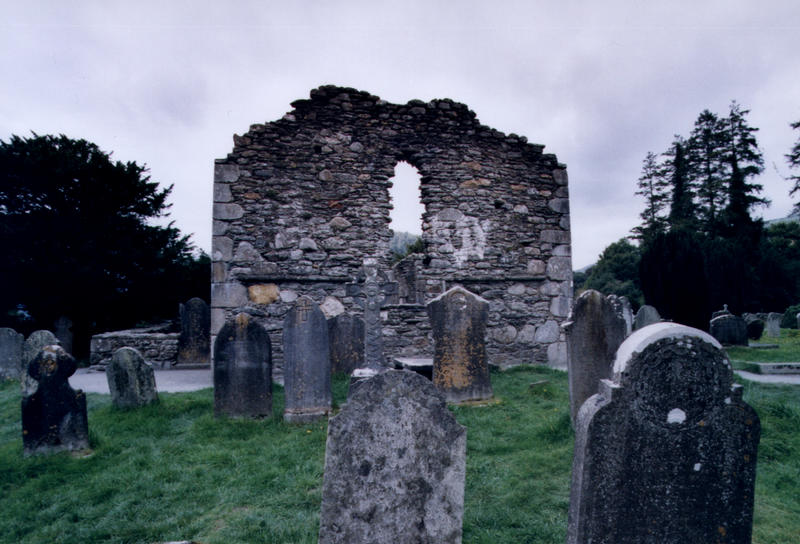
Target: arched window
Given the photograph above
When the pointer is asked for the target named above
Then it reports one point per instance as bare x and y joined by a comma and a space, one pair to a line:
406, 214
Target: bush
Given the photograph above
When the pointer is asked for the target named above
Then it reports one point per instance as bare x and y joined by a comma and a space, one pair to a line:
789, 319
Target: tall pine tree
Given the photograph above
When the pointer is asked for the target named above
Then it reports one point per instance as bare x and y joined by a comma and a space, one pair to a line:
793, 158
654, 188
707, 165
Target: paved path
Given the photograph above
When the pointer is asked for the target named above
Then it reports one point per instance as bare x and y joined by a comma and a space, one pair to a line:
770, 378
167, 381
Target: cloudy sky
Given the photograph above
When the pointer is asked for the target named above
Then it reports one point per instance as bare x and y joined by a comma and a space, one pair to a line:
168, 83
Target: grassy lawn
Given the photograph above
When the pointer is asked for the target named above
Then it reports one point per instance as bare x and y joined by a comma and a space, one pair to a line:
788, 350
173, 472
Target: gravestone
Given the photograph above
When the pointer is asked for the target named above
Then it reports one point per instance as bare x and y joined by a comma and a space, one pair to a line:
62, 328
10, 354
594, 332
458, 324
54, 415
395, 464
623, 308
131, 381
723, 311
243, 369
194, 341
729, 329
755, 326
665, 453
306, 363
30, 349
773, 324
346, 338
375, 293
647, 315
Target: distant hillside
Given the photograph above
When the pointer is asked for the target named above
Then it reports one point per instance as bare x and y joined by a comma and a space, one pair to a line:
401, 241
793, 217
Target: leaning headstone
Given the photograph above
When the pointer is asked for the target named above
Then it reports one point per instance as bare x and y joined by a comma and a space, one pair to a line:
306, 363
666, 452
243, 369
346, 338
10, 354
131, 380
647, 315
54, 415
30, 349
594, 332
623, 307
773, 324
460, 367
194, 341
62, 328
729, 329
395, 463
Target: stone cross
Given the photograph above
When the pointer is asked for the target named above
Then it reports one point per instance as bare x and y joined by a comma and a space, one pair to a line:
53, 415
395, 465
665, 452
375, 294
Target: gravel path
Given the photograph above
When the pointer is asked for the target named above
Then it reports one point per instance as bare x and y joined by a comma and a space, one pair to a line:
168, 381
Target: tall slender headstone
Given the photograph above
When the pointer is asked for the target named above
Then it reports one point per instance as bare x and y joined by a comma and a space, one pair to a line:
194, 341
10, 354
131, 380
54, 415
243, 369
460, 367
395, 463
306, 363
594, 332
375, 293
773, 324
346, 338
665, 453
30, 349
622, 306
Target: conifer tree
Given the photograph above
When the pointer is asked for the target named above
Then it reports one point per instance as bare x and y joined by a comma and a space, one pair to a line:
682, 208
706, 161
793, 158
654, 188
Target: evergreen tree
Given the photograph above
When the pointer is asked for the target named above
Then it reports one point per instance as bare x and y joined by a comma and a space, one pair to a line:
653, 187
793, 158
682, 209
617, 272
706, 162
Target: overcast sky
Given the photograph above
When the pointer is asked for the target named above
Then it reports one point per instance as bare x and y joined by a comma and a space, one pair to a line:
600, 84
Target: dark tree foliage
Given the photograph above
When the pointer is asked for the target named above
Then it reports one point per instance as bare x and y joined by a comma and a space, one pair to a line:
674, 280
617, 272
682, 211
706, 163
654, 188
76, 242
779, 267
793, 158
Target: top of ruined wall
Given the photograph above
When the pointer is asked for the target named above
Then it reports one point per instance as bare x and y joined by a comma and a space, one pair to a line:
307, 196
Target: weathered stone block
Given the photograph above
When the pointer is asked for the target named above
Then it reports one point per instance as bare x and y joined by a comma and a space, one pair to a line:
228, 295
263, 293
226, 172
131, 380
221, 248
227, 211
222, 192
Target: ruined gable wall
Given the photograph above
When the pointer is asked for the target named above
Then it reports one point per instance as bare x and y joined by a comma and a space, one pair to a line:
300, 202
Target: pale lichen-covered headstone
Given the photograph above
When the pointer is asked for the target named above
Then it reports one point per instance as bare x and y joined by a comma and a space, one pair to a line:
131, 380
346, 338
11, 354
666, 452
729, 329
594, 332
395, 463
194, 342
30, 349
54, 415
623, 308
773, 324
307, 363
460, 367
243, 369
647, 315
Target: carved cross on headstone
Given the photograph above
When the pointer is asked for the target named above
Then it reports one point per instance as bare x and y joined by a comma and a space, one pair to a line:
375, 294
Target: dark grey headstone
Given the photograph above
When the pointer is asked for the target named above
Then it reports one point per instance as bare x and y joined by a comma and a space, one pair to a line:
62, 328
594, 332
194, 341
243, 369
729, 329
623, 308
666, 452
54, 415
755, 326
773, 324
30, 349
394, 466
460, 367
10, 354
306, 363
131, 380
647, 315
346, 338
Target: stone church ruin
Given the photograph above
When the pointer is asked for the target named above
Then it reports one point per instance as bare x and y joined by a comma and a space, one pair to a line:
300, 204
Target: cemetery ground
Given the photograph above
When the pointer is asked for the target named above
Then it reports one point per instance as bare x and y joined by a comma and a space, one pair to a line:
172, 471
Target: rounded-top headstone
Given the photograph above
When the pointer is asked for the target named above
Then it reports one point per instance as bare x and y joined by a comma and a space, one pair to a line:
35, 342
131, 380
647, 315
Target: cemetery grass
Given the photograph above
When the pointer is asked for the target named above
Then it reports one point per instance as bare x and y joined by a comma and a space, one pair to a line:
788, 351
172, 471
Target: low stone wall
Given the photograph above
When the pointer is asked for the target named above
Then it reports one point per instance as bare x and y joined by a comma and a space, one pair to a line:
159, 348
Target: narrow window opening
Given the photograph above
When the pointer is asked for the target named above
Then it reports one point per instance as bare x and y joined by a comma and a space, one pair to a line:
406, 214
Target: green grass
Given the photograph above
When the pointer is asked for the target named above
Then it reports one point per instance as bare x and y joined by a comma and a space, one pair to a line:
172, 471
788, 350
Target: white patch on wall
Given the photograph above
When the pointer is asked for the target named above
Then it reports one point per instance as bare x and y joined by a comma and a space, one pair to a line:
462, 235
676, 415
